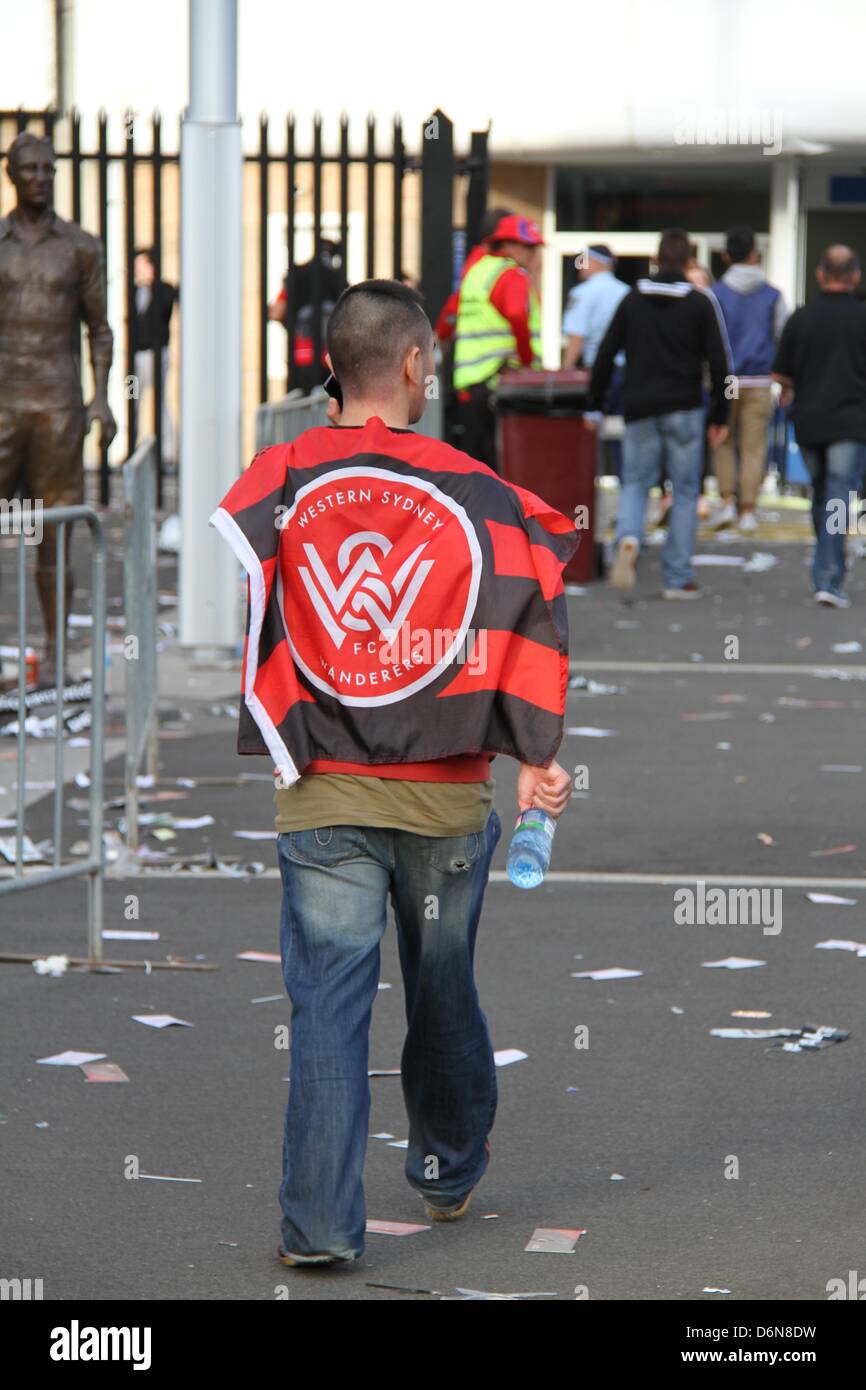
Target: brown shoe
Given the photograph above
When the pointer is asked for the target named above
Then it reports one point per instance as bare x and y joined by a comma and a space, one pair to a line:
622, 572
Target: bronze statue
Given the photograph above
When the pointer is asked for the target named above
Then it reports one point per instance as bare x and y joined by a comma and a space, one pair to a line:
51, 277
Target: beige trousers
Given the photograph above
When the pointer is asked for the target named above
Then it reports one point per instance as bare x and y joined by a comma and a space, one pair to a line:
747, 437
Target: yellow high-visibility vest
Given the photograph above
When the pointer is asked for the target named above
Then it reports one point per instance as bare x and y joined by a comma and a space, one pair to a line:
483, 340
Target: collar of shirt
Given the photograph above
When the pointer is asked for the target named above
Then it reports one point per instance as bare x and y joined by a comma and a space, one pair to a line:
49, 224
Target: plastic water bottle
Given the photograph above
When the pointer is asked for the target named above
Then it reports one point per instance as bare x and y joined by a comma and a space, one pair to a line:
529, 851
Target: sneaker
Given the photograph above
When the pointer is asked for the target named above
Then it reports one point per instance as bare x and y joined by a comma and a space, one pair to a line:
687, 591
622, 574
829, 599
454, 1210
298, 1261
726, 517
748, 523
452, 1213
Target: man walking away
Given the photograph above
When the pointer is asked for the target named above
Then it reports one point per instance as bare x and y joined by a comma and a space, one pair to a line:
755, 314
669, 330
383, 740
821, 364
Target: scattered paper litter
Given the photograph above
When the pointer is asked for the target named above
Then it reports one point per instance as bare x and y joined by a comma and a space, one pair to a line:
591, 687
750, 1013
506, 1055
267, 999
30, 853
255, 834
814, 1039
262, 956
553, 1240
755, 1032
617, 1177
384, 1071
613, 972
842, 648
834, 944
104, 1071
393, 1228
831, 898
398, 1144
589, 731
760, 562
710, 1289
52, 965
728, 561
732, 963
839, 849
71, 1059
160, 1020
764, 838
383, 1135
479, 1296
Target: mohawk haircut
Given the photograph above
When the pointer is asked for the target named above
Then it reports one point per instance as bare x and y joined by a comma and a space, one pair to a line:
372, 327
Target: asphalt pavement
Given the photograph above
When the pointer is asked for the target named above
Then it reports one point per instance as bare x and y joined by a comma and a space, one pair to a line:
740, 1164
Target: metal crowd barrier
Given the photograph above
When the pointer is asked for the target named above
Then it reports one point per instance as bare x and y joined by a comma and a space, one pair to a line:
91, 867
279, 422
141, 602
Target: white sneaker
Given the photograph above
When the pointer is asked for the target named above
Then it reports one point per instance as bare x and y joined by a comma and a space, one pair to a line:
726, 517
622, 574
831, 600
748, 522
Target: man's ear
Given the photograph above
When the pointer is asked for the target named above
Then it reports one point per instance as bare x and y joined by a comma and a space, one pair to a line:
330, 364
413, 366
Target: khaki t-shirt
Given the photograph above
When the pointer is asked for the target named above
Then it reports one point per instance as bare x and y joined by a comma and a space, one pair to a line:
422, 808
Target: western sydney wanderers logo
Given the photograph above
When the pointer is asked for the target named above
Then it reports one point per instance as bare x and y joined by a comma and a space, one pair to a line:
377, 582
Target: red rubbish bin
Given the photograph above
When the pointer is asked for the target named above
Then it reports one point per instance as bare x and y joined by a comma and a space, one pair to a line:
544, 446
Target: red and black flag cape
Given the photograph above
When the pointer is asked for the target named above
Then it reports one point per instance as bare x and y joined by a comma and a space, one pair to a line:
405, 603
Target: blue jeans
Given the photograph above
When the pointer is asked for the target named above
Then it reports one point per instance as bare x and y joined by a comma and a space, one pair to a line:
836, 470
336, 885
677, 441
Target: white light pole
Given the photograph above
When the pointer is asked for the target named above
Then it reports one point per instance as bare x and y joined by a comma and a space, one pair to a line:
211, 170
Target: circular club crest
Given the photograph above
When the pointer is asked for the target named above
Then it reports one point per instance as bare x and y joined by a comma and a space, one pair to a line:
377, 581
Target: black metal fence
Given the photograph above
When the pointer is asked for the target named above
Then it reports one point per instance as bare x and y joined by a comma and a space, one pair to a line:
446, 181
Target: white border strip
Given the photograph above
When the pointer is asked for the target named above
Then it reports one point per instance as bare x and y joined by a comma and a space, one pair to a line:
225, 524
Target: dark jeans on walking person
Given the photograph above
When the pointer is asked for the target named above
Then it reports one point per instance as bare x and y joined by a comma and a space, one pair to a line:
336, 884
836, 471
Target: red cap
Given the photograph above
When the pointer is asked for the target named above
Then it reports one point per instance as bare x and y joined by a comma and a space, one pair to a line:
516, 228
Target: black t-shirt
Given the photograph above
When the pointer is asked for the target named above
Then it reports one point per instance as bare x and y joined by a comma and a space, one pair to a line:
823, 351
300, 289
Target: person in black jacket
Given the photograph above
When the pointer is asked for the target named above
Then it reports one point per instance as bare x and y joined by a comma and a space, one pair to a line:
821, 365
669, 330
154, 304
